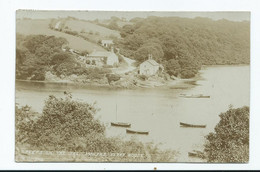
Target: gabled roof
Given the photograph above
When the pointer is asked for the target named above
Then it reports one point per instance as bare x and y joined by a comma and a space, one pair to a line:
152, 62
101, 54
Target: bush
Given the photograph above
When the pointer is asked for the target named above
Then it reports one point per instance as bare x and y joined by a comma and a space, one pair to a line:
107, 66
112, 77
74, 33
186, 73
84, 53
143, 77
24, 119
88, 61
230, 141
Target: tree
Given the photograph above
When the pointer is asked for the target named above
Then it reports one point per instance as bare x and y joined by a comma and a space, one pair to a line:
126, 30
150, 47
230, 140
58, 58
63, 120
113, 25
173, 67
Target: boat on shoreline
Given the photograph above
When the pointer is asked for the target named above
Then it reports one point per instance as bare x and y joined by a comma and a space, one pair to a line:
130, 131
120, 124
192, 125
194, 96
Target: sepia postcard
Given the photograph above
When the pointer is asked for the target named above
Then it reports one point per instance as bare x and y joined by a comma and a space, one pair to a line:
117, 86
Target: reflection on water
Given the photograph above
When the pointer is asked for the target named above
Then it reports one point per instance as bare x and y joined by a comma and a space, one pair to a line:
158, 110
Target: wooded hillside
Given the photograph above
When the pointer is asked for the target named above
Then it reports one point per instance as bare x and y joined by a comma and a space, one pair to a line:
182, 45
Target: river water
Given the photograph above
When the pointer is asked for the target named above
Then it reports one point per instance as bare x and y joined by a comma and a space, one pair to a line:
158, 110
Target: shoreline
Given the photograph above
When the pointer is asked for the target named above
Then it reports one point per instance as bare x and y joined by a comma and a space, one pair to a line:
177, 83
171, 84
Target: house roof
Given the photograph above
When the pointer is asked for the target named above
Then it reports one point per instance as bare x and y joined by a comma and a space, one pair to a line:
152, 62
107, 41
101, 54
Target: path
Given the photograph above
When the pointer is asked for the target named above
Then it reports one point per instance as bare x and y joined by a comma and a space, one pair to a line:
130, 67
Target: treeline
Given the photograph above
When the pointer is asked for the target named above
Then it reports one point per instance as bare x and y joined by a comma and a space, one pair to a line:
38, 54
182, 45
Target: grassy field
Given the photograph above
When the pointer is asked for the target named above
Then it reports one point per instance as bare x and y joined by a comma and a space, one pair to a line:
77, 25
119, 23
29, 27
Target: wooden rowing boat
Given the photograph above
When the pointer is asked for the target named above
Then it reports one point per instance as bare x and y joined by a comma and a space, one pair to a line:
193, 154
197, 154
120, 124
194, 96
130, 131
192, 125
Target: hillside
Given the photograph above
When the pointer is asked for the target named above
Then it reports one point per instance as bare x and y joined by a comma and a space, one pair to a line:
120, 23
37, 27
77, 25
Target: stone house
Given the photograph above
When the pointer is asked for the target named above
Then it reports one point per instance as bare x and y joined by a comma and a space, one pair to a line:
150, 67
101, 58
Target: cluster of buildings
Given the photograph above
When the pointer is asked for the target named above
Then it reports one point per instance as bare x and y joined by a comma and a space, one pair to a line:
101, 58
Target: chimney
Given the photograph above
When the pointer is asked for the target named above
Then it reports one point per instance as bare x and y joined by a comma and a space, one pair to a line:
149, 56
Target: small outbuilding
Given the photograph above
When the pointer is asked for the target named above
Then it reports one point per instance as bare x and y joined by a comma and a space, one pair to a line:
107, 43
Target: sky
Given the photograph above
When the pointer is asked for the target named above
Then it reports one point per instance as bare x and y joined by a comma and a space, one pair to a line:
101, 15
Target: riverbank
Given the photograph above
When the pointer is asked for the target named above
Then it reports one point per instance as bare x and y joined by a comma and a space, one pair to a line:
172, 84
125, 81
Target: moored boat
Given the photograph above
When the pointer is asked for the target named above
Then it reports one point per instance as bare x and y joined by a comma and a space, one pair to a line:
120, 124
130, 131
197, 154
192, 125
194, 154
194, 96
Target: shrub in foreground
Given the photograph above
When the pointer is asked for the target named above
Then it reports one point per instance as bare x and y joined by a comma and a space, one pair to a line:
230, 141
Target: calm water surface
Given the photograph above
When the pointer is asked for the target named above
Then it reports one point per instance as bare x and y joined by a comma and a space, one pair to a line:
157, 110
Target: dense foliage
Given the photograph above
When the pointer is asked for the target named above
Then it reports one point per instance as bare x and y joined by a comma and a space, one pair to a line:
34, 55
69, 125
230, 141
38, 54
186, 43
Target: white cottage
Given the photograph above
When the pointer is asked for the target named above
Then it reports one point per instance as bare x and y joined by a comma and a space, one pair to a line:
149, 67
103, 58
